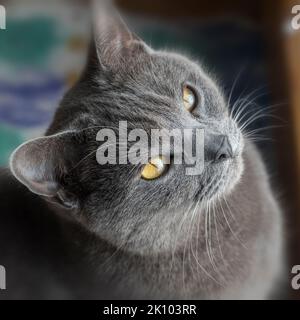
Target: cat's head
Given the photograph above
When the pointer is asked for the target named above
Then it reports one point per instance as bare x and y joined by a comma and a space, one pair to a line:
125, 80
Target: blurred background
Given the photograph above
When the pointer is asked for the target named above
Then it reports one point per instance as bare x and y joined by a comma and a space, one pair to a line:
250, 46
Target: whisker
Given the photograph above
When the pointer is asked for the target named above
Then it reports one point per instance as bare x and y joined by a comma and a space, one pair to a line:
233, 87
229, 226
196, 258
244, 104
218, 239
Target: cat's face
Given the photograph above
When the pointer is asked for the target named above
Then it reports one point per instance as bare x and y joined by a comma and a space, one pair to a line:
127, 81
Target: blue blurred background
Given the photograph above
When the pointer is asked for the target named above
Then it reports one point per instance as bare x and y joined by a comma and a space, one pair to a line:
42, 52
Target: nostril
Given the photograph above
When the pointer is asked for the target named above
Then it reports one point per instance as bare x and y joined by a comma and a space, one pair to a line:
222, 156
218, 148
225, 151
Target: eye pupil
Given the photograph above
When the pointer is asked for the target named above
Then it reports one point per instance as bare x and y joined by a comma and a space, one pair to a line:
189, 98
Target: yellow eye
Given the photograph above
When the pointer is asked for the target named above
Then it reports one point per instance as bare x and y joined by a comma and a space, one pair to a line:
154, 169
189, 98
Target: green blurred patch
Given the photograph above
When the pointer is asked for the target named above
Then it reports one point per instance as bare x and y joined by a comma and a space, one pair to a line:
9, 140
28, 41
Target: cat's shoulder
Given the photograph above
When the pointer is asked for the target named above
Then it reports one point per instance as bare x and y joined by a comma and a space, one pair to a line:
23, 215
15, 195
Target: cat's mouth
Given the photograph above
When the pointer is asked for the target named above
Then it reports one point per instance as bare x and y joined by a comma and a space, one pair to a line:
220, 179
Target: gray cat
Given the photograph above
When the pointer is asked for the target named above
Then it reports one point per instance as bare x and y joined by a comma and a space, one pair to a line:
73, 229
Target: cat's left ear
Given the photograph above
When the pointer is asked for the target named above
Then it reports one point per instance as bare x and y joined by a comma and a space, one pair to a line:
116, 46
42, 165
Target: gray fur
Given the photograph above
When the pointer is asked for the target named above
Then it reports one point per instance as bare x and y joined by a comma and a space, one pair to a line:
213, 236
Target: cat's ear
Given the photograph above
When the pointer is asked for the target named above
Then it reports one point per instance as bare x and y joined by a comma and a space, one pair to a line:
42, 164
115, 45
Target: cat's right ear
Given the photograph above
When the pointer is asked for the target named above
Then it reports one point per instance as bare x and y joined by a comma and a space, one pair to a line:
114, 45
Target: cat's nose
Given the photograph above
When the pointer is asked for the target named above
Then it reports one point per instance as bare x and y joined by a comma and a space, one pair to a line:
218, 149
